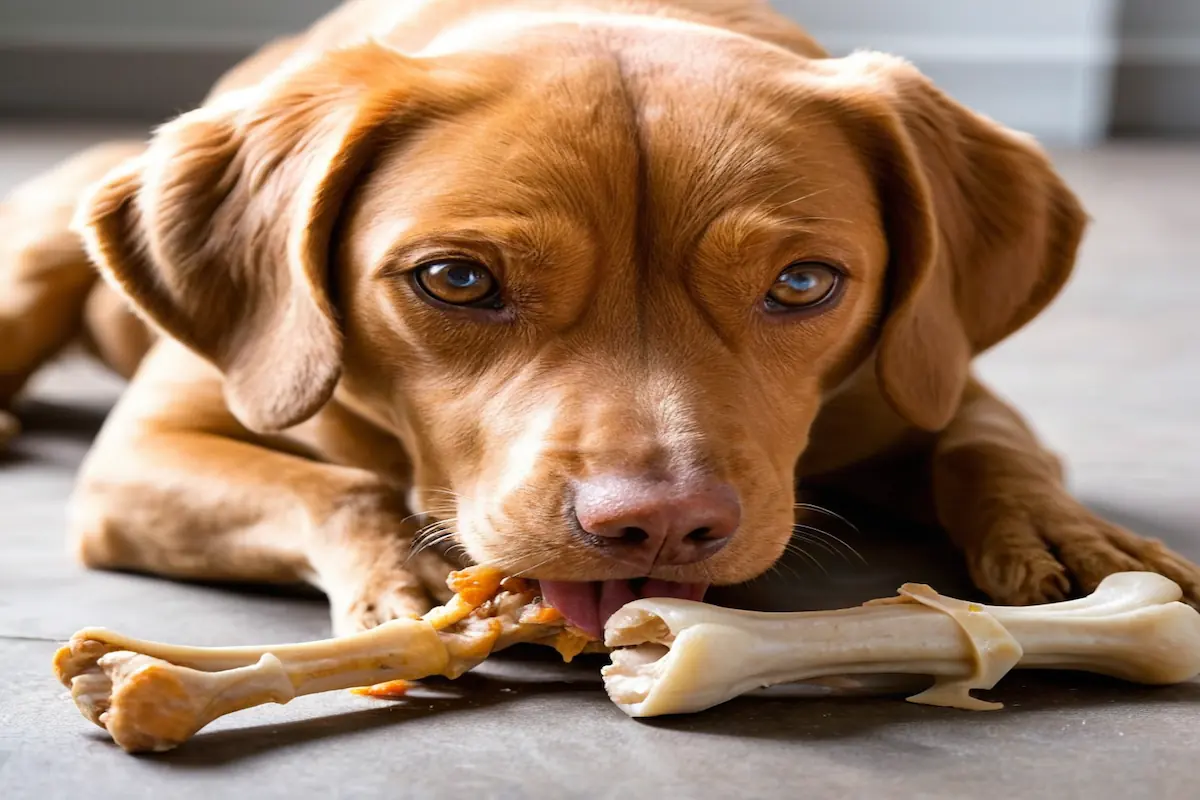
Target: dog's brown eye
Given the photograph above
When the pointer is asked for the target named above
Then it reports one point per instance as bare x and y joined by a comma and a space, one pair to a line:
459, 283
805, 284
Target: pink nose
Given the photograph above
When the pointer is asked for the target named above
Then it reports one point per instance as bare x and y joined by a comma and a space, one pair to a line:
657, 523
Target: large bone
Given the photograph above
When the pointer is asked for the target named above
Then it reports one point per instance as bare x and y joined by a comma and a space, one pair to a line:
152, 697
682, 657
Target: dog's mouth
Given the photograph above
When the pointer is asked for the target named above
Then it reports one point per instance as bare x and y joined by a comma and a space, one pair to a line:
588, 604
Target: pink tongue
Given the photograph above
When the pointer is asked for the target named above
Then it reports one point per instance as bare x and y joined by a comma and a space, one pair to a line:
589, 604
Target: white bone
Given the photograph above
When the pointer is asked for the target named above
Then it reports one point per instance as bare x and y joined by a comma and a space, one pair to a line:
682, 657
154, 696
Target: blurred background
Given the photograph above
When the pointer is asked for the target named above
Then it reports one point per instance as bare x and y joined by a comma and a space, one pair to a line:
1072, 72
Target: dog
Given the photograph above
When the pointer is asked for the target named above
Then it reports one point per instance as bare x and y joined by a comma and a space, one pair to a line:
581, 291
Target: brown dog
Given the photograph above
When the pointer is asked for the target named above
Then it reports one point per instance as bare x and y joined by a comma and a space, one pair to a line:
592, 288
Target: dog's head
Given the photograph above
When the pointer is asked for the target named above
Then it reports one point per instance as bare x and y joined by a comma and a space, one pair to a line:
601, 284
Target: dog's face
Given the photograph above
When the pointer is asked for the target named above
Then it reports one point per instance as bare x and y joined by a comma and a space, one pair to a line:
590, 270
604, 275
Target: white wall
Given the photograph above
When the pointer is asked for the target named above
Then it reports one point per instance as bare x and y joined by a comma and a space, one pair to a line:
1046, 66
1043, 66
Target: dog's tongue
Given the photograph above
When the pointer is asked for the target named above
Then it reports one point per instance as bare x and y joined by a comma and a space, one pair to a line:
588, 604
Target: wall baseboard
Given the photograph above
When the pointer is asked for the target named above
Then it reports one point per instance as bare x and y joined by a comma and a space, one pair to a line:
1157, 100
77, 82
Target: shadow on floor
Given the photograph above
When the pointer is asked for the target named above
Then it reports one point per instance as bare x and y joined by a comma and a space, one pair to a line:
471, 692
77, 420
302, 592
788, 720
45, 426
802, 720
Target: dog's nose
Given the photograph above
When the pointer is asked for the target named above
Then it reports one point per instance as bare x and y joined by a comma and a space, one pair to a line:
644, 522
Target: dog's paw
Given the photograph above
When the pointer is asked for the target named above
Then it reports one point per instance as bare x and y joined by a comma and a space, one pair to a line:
385, 594
381, 596
1040, 550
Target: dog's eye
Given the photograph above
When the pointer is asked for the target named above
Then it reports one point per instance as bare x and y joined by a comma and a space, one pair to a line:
459, 283
804, 285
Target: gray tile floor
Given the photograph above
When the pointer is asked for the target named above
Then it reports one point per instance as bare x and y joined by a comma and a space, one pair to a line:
1111, 376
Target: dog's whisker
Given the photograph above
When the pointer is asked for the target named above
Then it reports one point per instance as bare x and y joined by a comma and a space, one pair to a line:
800, 551
412, 516
792, 547
833, 537
433, 527
440, 531
826, 546
438, 535
416, 551
522, 573
796, 573
431, 535
829, 513
427, 513
434, 510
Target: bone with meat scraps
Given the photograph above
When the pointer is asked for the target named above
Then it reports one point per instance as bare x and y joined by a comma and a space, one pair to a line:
152, 697
682, 657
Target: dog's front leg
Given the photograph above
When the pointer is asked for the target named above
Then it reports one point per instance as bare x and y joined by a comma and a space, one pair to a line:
1002, 497
176, 487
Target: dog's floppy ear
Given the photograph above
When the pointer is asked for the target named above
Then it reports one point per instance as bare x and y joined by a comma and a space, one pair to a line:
982, 232
220, 233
